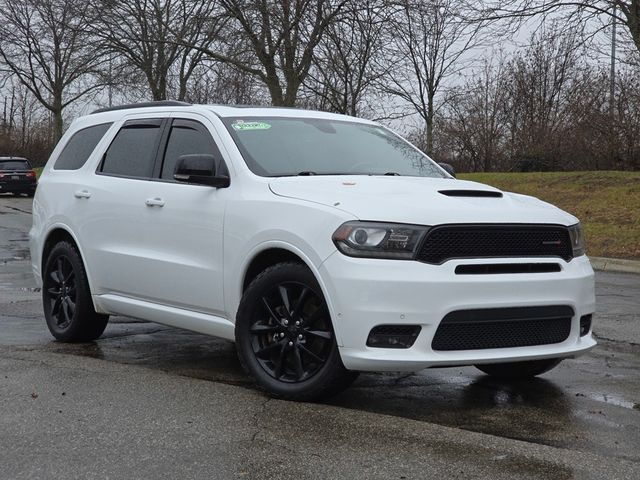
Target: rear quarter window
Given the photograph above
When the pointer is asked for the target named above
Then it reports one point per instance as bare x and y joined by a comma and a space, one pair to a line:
80, 146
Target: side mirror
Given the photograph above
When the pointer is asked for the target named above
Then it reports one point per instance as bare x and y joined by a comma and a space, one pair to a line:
199, 169
448, 168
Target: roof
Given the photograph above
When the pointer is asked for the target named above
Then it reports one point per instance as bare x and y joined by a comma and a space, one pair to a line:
223, 111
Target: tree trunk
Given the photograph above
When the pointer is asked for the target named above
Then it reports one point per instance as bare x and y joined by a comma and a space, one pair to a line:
429, 122
58, 123
633, 22
275, 90
182, 90
291, 94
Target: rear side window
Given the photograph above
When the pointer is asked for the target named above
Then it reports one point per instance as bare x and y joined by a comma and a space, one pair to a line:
133, 152
79, 147
187, 137
14, 165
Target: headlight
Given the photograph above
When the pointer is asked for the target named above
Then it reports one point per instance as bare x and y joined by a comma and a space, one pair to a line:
378, 240
577, 239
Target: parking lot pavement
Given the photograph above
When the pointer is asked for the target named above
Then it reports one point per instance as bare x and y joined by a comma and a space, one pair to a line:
151, 401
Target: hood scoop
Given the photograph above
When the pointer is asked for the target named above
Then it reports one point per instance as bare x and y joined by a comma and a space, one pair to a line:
471, 193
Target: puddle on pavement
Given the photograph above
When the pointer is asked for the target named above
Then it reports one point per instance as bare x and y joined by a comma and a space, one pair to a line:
163, 348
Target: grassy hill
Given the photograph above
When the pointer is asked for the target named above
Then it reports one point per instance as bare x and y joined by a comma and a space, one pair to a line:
607, 204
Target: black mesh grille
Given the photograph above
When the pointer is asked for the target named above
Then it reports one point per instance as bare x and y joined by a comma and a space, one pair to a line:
505, 268
503, 328
485, 241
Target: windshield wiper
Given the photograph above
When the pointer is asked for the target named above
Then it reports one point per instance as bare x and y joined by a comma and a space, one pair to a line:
306, 173
392, 174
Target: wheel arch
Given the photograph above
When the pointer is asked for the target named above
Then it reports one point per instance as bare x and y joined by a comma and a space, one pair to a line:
265, 259
57, 233
272, 253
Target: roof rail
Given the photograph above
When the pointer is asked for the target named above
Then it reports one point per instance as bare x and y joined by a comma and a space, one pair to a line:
160, 103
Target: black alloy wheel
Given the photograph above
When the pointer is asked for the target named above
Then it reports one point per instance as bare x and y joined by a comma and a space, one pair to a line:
292, 336
285, 337
66, 298
61, 291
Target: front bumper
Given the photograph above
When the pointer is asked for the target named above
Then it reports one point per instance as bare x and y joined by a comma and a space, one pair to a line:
364, 293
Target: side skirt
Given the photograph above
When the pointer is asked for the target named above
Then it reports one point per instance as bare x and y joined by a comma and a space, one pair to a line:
165, 315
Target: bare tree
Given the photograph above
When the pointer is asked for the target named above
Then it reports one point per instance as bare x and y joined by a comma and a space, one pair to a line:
225, 84
627, 129
475, 119
543, 81
26, 127
430, 43
348, 63
624, 12
158, 39
44, 44
281, 36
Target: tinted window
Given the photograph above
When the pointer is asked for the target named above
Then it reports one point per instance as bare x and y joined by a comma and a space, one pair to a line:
288, 146
186, 138
133, 151
14, 165
79, 147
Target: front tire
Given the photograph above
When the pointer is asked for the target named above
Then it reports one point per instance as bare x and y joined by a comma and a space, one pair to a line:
66, 297
285, 338
519, 370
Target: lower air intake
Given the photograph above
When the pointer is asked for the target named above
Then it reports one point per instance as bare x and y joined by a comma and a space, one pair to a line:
503, 328
393, 336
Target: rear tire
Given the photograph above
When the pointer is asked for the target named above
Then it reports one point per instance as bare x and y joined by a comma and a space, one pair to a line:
519, 370
68, 307
285, 338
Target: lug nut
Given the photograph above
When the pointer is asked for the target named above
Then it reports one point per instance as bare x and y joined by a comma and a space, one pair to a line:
291, 344
286, 322
297, 324
281, 334
300, 337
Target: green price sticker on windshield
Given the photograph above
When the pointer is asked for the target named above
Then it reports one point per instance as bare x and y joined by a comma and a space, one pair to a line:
242, 125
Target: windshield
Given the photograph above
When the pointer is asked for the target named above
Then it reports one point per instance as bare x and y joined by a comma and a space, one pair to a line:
14, 165
276, 146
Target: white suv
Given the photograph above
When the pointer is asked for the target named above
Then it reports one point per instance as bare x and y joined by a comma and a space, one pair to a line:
323, 245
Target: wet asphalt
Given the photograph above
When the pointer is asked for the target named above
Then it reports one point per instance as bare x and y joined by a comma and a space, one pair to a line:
147, 400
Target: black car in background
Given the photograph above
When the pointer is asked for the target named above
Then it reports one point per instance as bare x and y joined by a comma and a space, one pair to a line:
17, 176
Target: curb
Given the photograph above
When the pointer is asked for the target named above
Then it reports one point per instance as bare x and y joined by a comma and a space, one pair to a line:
615, 265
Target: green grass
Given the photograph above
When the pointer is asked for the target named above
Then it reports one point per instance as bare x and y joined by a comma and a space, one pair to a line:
607, 204
38, 171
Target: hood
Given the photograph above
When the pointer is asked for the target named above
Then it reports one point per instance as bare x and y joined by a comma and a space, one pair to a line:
419, 200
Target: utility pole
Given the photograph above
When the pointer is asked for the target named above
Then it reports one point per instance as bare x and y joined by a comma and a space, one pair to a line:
612, 89
612, 86
110, 89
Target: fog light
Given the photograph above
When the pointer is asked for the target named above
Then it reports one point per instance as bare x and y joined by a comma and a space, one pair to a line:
585, 324
393, 336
